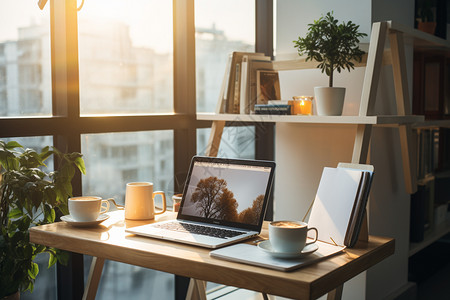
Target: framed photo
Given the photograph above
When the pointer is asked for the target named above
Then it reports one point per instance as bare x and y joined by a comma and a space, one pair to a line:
267, 86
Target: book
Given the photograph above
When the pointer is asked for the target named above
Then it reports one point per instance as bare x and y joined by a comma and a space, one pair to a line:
233, 91
267, 86
278, 102
340, 204
243, 101
254, 64
272, 109
221, 103
237, 88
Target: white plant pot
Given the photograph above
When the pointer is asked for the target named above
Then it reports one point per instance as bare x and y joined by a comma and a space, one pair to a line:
329, 100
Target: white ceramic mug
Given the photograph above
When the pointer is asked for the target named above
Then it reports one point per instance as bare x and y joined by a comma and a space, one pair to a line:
140, 201
289, 236
87, 208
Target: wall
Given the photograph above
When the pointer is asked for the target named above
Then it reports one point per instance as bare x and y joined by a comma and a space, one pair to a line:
313, 147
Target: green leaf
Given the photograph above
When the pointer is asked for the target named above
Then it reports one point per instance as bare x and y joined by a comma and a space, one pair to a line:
13, 144
15, 213
45, 153
34, 270
49, 214
52, 259
79, 162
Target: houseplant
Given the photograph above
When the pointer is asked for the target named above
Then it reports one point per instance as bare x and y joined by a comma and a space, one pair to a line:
426, 21
335, 47
30, 196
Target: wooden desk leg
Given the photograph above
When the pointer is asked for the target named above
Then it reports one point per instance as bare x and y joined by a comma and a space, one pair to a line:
95, 272
336, 294
196, 290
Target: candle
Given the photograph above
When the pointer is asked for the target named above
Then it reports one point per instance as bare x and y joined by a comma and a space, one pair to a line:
303, 105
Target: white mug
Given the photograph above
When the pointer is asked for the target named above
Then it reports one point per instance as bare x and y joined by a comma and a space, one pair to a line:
87, 208
289, 236
140, 201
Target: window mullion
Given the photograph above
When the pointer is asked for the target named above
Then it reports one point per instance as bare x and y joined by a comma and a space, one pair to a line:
65, 104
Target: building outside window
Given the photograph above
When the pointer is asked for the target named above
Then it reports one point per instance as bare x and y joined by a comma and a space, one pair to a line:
126, 68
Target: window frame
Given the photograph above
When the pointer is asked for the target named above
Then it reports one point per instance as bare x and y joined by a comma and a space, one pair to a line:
67, 126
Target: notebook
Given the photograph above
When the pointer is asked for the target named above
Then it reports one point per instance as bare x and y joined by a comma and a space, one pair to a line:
340, 203
224, 201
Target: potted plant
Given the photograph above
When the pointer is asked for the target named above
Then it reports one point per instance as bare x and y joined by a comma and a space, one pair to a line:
426, 21
30, 196
335, 47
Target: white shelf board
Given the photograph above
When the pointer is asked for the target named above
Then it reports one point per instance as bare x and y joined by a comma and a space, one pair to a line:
435, 234
351, 120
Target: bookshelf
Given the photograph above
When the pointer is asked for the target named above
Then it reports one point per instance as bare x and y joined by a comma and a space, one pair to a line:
376, 57
395, 214
349, 120
430, 237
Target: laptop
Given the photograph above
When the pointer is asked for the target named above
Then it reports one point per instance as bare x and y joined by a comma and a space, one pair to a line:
224, 201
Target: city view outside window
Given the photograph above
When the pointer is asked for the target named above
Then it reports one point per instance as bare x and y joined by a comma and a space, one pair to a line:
236, 142
125, 57
125, 68
25, 67
221, 27
114, 159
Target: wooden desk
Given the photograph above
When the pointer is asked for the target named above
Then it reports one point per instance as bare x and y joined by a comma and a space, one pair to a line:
110, 241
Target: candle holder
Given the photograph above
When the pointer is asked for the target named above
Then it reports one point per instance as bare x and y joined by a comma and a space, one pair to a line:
302, 105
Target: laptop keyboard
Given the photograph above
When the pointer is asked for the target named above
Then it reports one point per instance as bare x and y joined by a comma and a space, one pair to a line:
199, 229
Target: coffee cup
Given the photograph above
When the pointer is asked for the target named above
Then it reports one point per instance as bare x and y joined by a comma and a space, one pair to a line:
87, 208
140, 201
176, 201
289, 236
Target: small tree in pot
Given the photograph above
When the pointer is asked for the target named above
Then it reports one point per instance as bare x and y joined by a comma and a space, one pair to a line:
334, 46
29, 196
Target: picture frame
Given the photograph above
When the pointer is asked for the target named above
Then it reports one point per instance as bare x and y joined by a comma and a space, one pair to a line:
267, 86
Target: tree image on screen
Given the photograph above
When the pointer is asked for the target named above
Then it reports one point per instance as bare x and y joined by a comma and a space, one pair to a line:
251, 214
214, 200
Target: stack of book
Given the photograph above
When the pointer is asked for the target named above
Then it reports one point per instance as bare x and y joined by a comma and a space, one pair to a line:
272, 109
249, 80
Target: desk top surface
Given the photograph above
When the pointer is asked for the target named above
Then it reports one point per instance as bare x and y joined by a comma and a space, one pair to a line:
109, 240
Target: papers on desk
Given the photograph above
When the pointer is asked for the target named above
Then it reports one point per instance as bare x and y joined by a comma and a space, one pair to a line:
252, 255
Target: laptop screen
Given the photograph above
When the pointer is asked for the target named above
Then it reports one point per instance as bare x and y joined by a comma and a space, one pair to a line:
232, 192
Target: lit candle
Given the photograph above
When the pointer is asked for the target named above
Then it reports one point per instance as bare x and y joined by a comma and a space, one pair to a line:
303, 105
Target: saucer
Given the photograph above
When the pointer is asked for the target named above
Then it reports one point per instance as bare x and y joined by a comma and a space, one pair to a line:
267, 247
69, 220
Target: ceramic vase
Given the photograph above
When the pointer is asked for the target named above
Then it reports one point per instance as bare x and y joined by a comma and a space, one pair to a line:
329, 100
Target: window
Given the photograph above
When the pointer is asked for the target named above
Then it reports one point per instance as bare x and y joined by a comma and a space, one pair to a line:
113, 159
131, 158
220, 28
125, 57
25, 76
236, 142
117, 88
